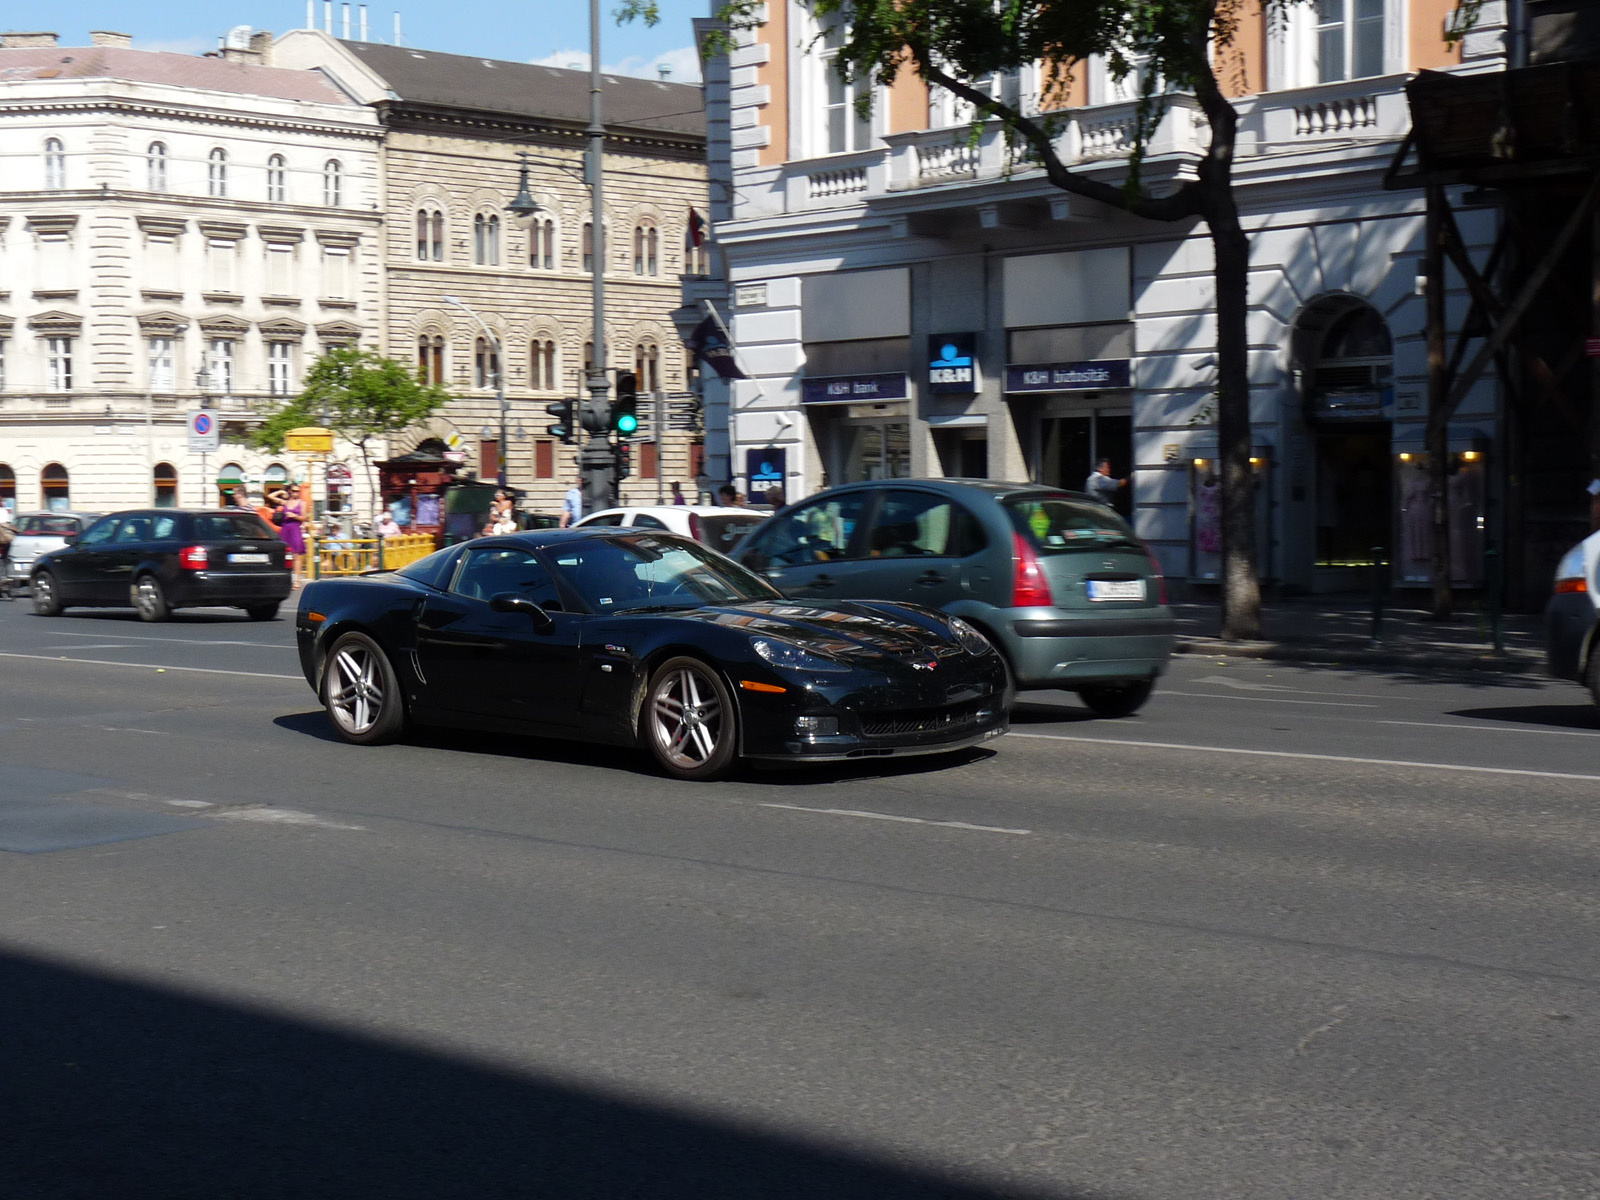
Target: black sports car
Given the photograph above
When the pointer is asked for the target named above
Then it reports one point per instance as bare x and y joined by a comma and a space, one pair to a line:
629, 637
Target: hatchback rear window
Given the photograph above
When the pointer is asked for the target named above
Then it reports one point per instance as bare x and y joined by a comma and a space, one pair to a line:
45, 523
1059, 525
723, 533
223, 527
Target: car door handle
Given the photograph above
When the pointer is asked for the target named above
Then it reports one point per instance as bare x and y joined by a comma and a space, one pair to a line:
930, 578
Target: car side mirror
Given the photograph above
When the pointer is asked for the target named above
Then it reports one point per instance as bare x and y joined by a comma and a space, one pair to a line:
69, 539
511, 602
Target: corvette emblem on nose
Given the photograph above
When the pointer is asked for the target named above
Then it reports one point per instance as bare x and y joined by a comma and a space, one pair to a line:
925, 666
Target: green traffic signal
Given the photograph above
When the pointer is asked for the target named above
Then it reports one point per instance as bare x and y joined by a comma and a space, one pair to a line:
625, 406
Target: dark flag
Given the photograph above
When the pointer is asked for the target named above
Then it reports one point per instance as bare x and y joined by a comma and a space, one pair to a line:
694, 233
711, 346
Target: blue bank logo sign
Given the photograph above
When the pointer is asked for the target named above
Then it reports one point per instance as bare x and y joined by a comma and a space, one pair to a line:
953, 363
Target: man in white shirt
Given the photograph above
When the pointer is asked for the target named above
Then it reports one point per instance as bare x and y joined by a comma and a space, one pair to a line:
1101, 485
5, 512
572, 506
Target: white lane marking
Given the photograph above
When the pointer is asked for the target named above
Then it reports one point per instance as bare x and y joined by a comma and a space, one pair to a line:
1493, 728
1337, 758
94, 646
137, 637
280, 816
111, 662
1243, 686
877, 816
1262, 699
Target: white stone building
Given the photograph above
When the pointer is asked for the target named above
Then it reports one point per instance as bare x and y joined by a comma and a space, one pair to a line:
163, 215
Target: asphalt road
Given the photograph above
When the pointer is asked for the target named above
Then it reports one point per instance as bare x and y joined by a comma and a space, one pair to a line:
1289, 932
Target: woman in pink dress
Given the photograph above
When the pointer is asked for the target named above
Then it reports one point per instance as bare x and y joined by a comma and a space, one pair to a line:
291, 530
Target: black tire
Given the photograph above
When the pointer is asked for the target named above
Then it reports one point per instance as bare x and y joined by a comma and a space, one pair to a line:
149, 598
261, 612
1117, 699
46, 595
361, 692
1594, 673
688, 721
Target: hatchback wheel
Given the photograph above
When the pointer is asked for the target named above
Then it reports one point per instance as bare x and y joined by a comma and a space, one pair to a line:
261, 612
361, 692
46, 596
149, 599
1594, 674
1117, 699
689, 720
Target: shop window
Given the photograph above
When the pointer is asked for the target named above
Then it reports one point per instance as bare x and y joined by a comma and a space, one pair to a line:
165, 478
155, 167
217, 173
55, 494
277, 179
8, 487
229, 479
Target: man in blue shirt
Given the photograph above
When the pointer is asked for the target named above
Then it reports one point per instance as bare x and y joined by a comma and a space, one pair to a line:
572, 506
1101, 485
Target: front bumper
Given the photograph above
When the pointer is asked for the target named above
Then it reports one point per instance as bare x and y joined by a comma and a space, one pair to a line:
1048, 650
842, 749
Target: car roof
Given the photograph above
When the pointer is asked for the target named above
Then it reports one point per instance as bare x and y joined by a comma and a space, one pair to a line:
553, 537
699, 510
997, 488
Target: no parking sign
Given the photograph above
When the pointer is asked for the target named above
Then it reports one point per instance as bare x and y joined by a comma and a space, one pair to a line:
204, 434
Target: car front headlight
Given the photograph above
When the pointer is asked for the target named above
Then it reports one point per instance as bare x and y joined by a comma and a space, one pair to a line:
970, 639
789, 657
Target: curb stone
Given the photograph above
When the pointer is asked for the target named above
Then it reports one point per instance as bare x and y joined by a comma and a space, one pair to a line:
1313, 654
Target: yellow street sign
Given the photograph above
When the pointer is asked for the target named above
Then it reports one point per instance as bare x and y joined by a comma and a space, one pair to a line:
309, 439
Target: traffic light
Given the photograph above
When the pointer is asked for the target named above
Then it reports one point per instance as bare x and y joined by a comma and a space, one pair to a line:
562, 411
624, 461
625, 406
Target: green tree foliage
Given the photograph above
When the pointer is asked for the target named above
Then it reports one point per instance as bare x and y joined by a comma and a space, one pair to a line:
358, 394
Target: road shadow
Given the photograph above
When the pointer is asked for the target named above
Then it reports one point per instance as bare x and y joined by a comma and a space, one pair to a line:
315, 723
1037, 712
1557, 716
182, 616
120, 1089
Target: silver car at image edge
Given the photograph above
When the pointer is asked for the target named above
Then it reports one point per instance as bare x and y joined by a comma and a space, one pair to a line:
38, 534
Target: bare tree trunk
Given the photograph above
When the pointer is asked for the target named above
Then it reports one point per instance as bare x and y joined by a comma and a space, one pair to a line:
1241, 585
1438, 428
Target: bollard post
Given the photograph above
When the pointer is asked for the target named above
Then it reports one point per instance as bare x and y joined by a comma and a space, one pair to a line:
1377, 594
380, 551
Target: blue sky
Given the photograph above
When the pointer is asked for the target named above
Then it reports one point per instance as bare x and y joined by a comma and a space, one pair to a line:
550, 31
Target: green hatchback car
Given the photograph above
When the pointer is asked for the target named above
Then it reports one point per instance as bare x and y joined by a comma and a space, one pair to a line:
1058, 582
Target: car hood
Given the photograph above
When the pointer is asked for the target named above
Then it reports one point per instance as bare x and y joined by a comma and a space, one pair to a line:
851, 632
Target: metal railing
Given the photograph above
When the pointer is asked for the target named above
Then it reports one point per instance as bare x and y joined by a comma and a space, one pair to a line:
335, 556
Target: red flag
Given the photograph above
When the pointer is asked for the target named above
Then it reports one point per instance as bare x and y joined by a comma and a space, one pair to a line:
694, 235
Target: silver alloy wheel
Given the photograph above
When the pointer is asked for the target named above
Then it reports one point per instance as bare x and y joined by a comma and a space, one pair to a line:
147, 598
44, 592
687, 716
355, 689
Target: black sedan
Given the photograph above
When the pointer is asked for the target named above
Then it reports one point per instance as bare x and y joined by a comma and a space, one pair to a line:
156, 560
629, 638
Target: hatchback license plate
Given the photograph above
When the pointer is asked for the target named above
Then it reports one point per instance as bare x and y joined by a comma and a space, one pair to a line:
1116, 589
249, 558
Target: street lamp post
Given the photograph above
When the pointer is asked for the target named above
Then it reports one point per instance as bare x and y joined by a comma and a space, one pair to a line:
499, 385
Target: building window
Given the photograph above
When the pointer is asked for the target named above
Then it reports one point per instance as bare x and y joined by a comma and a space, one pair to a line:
544, 459
161, 263
58, 364
55, 493
332, 184
8, 487
280, 269
646, 250
220, 256
486, 240
647, 366
542, 366
588, 362
1349, 39
588, 247
2, 364
486, 364
217, 173
430, 235
55, 165
336, 272
277, 180
280, 357
648, 460
844, 128
542, 244
166, 481
155, 167
431, 359
163, 376
219, 363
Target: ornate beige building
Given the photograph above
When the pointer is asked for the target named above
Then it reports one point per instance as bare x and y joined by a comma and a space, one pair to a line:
454, 130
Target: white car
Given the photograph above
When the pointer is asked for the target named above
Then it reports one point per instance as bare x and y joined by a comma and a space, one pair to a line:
719, 528
39, 533
1572, 618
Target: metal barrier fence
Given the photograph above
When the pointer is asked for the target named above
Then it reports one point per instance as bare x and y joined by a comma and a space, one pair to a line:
353, 555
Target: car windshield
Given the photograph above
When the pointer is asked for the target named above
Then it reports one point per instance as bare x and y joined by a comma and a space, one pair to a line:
653, 571
49, 524
723, 533
1057, 524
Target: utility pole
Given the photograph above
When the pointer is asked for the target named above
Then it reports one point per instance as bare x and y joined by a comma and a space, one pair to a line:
597, 460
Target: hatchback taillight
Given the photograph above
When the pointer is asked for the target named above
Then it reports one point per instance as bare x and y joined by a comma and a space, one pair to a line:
193, 558
1029, 587
1161, 580
696, 530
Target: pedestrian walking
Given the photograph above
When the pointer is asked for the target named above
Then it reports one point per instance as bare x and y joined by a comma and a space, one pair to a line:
728, 496
572, 505
677, 493
1102, 485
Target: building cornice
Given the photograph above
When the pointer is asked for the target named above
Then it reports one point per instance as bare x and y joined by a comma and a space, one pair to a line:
403, 117
195, 114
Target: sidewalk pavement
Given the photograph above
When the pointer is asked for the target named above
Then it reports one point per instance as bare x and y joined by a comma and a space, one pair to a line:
1337, 631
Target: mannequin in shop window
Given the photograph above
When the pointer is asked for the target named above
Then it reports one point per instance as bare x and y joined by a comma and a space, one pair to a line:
1208, 515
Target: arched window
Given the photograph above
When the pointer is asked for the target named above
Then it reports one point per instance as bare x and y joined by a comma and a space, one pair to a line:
646, 250
430, 358
437, 225
647, 366
8, 487
542, 244
231, 476
486, 240
217, 173
542, 366
165, 478
430, 234
332, 183
486, 364
54, 494
638, 249
588, 362
588, 246
277, 181
55, 165
275, 476
155, 163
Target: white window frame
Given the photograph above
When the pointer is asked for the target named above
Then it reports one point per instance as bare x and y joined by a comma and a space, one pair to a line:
485, 363
280, 269
55, 165
162, 356
338, 272
277, 179
280, 368
821, 81
332, 184
58, 364
221, 354
220, 251
155, 161
544, 249
486, 239
1292, 58
217, 173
